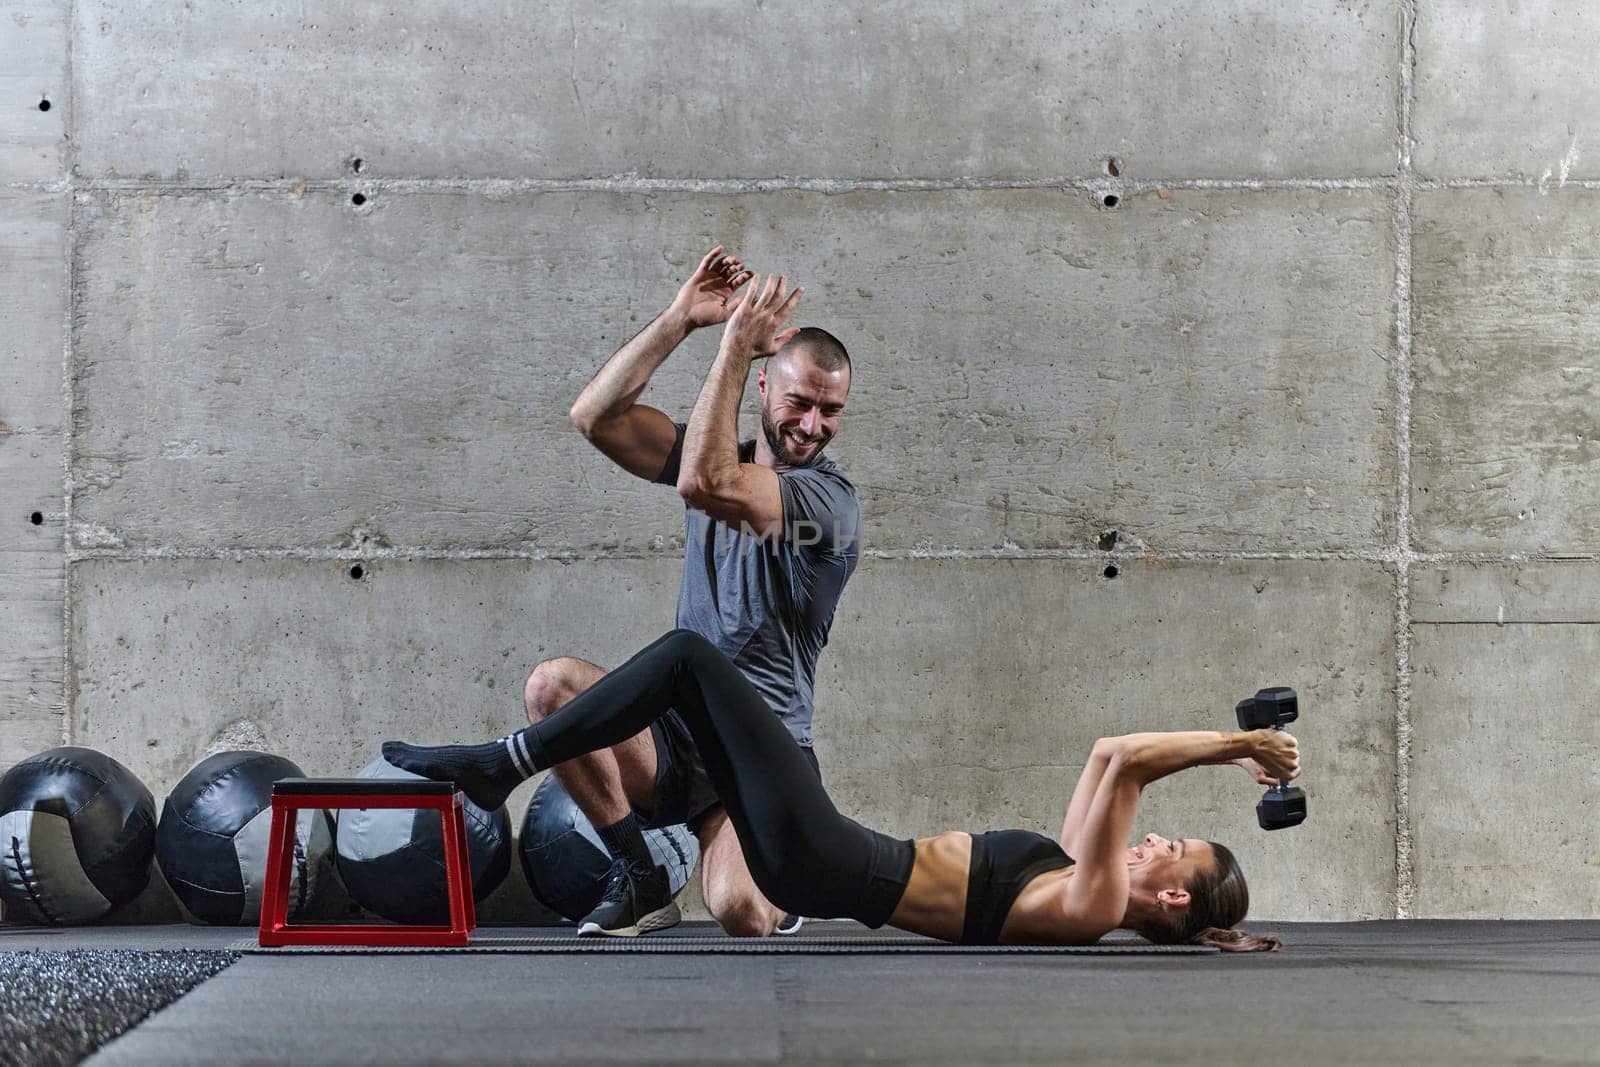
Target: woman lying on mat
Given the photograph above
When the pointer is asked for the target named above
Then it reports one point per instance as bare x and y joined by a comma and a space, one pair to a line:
1009, 887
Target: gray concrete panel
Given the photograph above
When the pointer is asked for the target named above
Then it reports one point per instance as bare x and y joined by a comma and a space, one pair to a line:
33, 279
175, 659
1196, 369
1527, 594
33, 72
1200, 369
1506, 412
32, 584
33, 303
1506, 89
317, 375
31, 706
967, 695
894, 90
952, 696
1505, 751
31, 464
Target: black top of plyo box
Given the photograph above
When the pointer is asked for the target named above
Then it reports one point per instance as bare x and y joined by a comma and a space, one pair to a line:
372, 787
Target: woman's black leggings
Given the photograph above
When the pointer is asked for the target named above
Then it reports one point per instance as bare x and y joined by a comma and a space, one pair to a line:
806, 858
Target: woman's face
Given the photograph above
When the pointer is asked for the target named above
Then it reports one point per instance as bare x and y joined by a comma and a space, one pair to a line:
1156, 863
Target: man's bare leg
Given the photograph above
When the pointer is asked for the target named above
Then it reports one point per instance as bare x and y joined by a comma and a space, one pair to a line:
730, 893
606, 785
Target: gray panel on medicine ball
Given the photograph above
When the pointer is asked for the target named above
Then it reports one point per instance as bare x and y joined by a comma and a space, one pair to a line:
44, 881
310, 872
109, 818
392, 860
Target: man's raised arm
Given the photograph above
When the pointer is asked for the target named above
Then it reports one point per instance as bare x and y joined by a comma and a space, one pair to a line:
710, 476
638, 438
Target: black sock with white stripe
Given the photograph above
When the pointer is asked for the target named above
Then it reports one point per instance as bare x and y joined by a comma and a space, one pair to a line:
485, 773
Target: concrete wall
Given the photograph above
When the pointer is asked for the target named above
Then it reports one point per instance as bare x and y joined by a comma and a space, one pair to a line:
1325, 363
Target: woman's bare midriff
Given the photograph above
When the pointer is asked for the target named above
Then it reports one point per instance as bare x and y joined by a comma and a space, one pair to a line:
935, 901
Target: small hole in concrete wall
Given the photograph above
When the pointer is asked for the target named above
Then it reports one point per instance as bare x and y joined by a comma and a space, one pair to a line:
357, 571
44, 105
359, 199
1110, 571
1111, 200
1107, 541
1114, 167
37, 518
357, 164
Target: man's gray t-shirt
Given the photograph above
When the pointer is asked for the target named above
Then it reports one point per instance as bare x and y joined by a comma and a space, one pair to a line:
768, 604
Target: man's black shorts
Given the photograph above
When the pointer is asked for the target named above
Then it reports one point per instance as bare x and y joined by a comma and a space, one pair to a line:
683, 791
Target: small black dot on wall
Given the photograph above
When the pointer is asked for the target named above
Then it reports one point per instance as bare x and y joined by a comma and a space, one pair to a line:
44, 105
1110, 571
1114, 167
359, 199
1111, 200
357, 571
357, 163
37, 518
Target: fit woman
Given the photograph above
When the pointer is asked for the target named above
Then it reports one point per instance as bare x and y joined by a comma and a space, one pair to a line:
1002, 887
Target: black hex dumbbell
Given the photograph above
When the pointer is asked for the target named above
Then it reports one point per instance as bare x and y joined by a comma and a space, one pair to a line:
1273, 709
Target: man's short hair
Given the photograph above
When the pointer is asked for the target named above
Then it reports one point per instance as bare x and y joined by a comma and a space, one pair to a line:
822, 347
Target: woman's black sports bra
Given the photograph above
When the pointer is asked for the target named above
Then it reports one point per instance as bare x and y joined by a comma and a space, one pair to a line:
1003, 862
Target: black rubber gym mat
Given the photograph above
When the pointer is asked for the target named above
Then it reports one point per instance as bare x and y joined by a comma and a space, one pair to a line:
761, 946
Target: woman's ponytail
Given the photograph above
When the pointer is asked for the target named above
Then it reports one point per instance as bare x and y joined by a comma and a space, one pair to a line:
1236, 940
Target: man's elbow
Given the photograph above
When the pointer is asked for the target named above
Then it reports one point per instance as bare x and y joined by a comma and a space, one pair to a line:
694, 489
584, 418
702, 484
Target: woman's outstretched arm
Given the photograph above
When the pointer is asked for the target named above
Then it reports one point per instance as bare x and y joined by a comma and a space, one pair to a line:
1097, 895
1094, 769
1156, 755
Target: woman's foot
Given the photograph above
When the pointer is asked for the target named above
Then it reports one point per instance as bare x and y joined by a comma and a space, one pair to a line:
485, 773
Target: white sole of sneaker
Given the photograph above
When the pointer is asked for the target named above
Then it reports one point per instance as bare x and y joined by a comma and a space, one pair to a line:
660, 919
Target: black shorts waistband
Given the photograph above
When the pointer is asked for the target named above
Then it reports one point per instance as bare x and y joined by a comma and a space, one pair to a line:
888, 874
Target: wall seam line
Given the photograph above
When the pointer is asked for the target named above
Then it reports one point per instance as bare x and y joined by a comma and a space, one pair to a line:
675, 553
620, 184
69, 376
1405, 867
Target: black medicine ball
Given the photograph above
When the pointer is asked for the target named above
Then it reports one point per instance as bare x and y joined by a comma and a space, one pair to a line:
213, 837
78, 832
392, 861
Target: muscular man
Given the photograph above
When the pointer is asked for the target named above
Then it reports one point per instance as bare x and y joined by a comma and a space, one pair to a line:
770, 537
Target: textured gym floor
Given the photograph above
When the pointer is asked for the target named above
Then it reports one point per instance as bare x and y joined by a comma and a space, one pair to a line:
1404, 992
